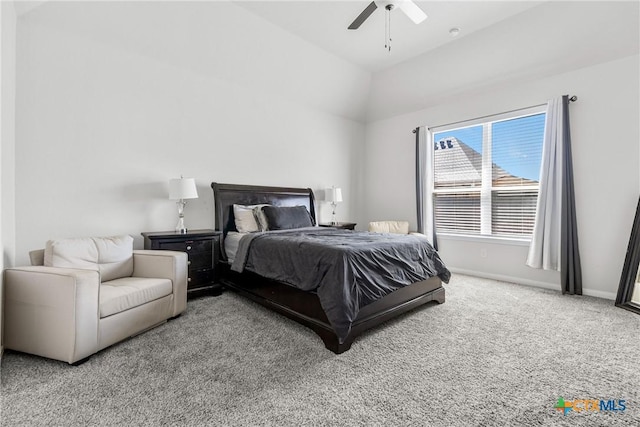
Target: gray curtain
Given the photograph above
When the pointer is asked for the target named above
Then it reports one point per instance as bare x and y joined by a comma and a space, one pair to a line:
554, 245
424, 185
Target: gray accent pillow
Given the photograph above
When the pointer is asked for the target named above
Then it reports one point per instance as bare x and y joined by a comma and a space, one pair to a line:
287, 217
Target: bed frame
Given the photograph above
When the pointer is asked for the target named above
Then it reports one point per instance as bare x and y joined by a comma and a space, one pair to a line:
303, 306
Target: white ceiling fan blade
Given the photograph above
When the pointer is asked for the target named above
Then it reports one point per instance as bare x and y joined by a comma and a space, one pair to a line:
413, 11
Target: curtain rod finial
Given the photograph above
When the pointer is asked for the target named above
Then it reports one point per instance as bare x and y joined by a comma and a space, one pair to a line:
573, 98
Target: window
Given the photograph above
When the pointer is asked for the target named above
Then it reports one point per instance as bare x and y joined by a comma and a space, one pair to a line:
486, 175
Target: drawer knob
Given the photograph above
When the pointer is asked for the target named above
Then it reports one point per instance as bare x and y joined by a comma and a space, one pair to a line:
188, 248
188, 279
188, 262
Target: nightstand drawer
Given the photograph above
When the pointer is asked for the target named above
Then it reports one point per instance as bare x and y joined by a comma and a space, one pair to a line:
189, 246
200, 260
197, 278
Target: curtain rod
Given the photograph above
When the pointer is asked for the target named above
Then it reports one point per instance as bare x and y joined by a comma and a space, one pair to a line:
573, 98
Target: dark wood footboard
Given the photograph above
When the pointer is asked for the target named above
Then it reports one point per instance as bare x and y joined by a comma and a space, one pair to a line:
304, 307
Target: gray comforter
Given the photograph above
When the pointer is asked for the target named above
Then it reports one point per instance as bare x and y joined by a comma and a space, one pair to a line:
347, 269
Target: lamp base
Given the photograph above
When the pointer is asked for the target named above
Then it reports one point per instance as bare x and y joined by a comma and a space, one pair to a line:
180, 228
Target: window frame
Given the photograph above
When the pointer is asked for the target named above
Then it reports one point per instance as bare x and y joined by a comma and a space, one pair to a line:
486, 188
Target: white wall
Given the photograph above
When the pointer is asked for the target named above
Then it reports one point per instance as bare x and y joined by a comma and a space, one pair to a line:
7, 146
106, 117
605, 132
115, 98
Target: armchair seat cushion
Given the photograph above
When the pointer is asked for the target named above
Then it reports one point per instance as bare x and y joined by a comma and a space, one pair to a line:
128, 292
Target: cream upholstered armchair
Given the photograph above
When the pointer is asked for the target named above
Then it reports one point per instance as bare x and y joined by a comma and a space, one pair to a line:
394, 227
82, 295
397, 227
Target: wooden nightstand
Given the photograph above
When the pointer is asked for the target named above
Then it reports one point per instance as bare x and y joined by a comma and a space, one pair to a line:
203, 250
343, 225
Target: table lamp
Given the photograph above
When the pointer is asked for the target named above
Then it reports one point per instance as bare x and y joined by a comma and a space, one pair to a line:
181, 189
333, 195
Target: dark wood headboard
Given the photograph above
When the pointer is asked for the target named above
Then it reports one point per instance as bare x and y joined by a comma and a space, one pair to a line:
226, 195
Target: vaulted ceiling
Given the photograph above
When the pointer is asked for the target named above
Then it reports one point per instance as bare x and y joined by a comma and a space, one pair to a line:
283, 45
324, 23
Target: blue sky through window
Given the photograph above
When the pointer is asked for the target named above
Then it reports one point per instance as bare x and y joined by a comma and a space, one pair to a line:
517, 143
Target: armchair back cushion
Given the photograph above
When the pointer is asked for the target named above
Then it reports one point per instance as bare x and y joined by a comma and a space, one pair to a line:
111, 256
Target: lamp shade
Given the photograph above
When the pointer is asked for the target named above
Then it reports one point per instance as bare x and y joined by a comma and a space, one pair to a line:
182, 188
333, 195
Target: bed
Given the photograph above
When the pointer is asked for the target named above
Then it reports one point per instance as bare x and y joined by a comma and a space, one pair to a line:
306, 306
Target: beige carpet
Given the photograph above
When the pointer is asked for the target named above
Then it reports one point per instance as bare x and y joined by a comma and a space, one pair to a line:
493, 354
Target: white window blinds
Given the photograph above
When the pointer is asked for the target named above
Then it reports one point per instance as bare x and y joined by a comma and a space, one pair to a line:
486, 174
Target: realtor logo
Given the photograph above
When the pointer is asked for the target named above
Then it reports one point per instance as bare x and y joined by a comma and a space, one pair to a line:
590, 405
561, 405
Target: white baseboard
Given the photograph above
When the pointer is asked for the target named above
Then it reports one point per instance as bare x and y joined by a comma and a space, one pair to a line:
527, 282
599, 294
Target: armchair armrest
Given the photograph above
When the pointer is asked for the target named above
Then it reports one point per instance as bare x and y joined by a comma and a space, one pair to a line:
52, 312
170, 265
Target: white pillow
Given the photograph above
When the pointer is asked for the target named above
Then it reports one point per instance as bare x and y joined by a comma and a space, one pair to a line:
250, 218
245, 220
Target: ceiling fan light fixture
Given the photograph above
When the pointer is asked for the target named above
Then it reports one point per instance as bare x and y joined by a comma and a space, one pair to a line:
409, 8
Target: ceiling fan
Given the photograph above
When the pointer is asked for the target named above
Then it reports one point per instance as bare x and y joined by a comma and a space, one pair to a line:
407, 6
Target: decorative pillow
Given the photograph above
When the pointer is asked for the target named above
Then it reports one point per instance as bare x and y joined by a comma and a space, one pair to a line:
245, 220
261, 218
111, 256
287, 217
